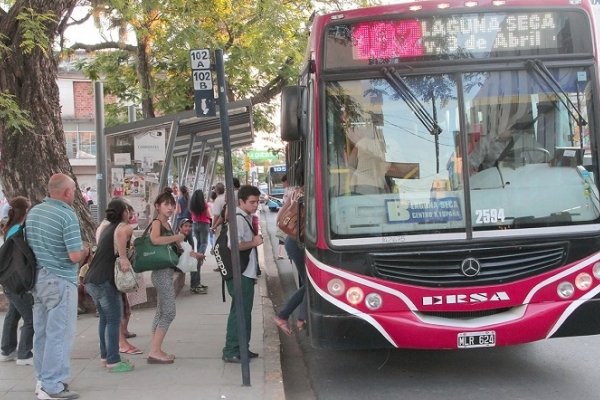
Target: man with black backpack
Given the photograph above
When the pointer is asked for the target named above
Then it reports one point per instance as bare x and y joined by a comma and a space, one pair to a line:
248, 198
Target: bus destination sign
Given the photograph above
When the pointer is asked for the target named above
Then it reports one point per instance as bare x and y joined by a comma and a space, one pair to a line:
454, 36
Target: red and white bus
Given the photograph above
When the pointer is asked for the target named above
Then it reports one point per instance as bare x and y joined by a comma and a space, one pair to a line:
451, 169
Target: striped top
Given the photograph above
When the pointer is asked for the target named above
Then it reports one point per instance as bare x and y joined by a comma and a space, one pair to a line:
52, 233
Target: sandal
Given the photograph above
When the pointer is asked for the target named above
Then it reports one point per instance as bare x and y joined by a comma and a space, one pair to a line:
283, 325
131, 350
121, 366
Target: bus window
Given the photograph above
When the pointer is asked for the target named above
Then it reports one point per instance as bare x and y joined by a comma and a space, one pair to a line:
388, 173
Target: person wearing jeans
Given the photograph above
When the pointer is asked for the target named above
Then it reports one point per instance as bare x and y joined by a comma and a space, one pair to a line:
298, 299
109, 304
20, 306
100, 282
54, 235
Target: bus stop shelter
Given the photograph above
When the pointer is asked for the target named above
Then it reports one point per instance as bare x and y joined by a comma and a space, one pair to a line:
141, 155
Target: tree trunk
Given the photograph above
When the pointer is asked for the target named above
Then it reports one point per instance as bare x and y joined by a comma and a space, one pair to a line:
28, 158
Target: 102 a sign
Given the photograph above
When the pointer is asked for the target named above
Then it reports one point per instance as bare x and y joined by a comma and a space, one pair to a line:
204, 96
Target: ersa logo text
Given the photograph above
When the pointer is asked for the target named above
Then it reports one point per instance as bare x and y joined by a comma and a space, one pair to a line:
470, 298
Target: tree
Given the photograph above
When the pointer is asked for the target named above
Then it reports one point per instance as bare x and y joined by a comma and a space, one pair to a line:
32, 140
264, 43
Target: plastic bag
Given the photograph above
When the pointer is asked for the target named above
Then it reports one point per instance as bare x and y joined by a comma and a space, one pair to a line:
187, 263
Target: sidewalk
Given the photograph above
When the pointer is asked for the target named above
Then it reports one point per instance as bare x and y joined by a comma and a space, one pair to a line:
196, 337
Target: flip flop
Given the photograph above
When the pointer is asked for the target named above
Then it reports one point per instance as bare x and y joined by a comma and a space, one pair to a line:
132, 350
283, 325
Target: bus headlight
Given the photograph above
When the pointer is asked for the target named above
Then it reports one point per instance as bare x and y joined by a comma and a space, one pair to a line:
583, 281
354, 295
336, 287
373, 301
596, 270
565, 290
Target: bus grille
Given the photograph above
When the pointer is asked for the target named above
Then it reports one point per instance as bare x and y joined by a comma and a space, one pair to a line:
443, 267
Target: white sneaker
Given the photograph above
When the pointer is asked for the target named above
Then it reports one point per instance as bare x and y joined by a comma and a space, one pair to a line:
64, 395
25, 361
9, 357
38, 387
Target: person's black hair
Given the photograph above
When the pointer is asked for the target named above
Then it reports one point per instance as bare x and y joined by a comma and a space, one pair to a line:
299, 172
184, 192
247, 191
284, 178
115, 210
198, 205
165, 197
220, 188
236, 183
18, 209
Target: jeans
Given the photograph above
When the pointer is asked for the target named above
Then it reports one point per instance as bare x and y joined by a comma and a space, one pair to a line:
232, 342
200, 230
54, 322
109, 303
20, 306
298, 299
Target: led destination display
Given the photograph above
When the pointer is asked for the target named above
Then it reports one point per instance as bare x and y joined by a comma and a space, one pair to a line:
456, 36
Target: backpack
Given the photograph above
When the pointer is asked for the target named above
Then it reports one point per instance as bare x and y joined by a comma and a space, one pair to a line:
223, 257
18, 268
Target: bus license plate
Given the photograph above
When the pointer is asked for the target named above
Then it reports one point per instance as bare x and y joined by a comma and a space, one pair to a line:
469, 340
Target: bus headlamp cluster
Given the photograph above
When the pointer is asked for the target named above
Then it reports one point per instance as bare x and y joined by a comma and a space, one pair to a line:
583, 282
354, 295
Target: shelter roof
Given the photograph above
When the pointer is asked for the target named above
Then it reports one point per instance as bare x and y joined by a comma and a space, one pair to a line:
241, 131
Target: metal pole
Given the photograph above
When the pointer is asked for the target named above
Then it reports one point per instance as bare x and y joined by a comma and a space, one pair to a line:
199, 167
131, 115
188, 161
164, 173
232, 220
101, 168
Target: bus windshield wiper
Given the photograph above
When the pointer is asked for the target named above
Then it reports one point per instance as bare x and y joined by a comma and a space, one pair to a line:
413, 102
539, 68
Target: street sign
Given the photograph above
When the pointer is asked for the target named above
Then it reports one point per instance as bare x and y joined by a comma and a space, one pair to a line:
204, 95
258, 155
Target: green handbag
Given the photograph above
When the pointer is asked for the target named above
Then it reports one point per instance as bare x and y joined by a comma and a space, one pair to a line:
151, 257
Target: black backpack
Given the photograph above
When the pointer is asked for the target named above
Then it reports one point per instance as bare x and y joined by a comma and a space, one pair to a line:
18, 270
223, 257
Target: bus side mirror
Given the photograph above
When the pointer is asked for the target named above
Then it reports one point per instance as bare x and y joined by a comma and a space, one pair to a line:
293, 113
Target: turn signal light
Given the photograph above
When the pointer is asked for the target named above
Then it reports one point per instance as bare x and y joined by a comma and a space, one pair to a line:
336, 287
354, 295
565, 290
583, 281
373, 301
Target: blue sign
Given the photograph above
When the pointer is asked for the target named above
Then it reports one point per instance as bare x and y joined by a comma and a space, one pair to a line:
425, 211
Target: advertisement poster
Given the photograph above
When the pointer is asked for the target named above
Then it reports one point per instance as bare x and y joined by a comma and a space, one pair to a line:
149, 148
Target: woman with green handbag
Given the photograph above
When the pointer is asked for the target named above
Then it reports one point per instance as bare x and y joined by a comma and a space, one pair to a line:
162, 279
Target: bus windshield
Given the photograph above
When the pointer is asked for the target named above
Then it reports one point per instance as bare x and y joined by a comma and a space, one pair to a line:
466, 151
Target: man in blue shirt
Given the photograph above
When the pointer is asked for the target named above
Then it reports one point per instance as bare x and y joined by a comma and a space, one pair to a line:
54, 235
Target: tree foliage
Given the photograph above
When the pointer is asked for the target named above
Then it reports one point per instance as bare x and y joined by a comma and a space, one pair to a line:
32, 140
263, 42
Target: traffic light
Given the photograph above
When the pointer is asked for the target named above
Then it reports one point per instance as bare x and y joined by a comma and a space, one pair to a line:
246, 163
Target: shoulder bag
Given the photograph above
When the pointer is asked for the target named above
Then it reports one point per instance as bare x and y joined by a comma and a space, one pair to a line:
151, 257
125, 282
290, 218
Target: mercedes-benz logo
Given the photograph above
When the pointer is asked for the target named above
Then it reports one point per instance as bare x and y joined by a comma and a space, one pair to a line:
470, 267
